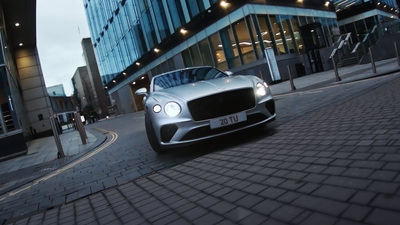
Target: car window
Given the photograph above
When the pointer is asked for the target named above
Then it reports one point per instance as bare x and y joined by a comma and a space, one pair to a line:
187, 76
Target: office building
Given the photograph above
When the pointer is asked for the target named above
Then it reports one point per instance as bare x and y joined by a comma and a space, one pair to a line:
136, 40
88, 87
56, 90
25, 106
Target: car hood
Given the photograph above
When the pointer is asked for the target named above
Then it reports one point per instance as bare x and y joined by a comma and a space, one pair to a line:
199, 89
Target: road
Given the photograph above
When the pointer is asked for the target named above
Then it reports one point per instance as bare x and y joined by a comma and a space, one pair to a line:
129, 156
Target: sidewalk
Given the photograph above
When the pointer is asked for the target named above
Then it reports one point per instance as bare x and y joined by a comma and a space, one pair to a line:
18, 171
347, 74
44, 150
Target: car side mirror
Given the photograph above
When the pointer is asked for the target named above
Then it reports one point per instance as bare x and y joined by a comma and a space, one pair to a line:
229, 73
141, 91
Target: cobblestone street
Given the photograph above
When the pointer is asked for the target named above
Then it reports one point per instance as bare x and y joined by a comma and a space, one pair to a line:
337, 165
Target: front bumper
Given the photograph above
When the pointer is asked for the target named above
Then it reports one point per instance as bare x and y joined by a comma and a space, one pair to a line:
189, 131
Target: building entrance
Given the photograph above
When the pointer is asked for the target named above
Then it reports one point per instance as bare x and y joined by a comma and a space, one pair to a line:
313, 38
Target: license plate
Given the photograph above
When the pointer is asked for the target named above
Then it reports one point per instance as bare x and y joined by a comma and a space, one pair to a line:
228, 120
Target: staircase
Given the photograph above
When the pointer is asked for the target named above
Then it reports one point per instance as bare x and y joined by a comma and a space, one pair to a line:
346, 53
347, 61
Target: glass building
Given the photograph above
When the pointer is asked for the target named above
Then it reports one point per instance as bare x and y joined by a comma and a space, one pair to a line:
135, 40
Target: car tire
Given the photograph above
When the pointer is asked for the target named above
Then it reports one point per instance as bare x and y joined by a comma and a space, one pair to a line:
151, 136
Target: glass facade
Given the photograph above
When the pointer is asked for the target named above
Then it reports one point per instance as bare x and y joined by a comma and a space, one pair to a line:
343, 4
8, 115
126, 31
244, 40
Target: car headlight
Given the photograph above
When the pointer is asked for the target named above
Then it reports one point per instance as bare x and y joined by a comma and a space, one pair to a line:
261, 89
172, 109
157, 108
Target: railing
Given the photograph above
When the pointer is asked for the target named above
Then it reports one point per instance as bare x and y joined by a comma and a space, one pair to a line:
344, 40
361, 48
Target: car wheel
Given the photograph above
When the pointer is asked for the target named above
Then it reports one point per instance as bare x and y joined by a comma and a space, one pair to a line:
151, 136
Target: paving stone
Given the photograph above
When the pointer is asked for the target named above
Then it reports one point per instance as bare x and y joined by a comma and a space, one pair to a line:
249, 201
334, 170
381, 216
287, 213
357, 212
292, 184
357, 172
222, 207
318, 218
194, 213
209, 218
322, 205
383, 187
363, 197
234, 196
266, 207
237, 214
272, 192
387, 202
255, 219
348, 182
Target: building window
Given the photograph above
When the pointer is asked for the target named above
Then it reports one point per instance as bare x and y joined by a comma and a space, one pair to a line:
245, 43
266, 36
193, 7
288, 33
230, 47
297, 35
278, 34
161, 19
195, 55
205, 52
176, 12
187, 60
147, 25
253, 36
216, 48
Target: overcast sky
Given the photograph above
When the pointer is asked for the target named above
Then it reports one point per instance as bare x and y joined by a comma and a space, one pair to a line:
61, 26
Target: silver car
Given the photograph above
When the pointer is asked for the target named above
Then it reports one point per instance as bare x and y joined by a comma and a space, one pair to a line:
193, 104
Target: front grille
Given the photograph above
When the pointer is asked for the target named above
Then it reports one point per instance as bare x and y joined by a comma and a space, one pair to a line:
222, 104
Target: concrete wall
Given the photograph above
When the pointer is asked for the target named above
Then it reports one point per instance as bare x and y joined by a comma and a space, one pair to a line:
123, 99
34, 93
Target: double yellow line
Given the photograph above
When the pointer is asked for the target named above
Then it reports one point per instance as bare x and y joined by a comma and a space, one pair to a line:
114, 137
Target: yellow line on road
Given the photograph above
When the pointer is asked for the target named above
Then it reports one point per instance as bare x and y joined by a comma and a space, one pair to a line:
114, 137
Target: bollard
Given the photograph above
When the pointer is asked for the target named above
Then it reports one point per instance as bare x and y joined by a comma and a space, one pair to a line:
291, 79
372, 60
397, 53
336, 70
60, 153
81, 128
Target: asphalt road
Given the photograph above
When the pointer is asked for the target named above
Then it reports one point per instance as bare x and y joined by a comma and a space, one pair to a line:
128, 155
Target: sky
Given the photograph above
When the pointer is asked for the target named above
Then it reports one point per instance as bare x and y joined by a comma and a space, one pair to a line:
60, 25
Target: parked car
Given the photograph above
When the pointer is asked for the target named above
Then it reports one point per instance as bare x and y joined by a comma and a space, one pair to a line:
194, 104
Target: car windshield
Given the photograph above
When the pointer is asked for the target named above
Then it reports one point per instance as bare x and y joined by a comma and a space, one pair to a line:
187, 76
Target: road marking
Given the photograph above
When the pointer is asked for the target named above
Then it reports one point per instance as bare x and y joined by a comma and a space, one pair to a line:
114, 137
